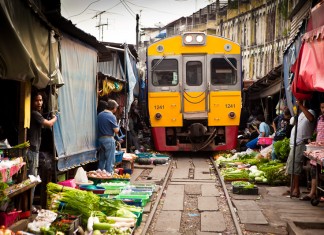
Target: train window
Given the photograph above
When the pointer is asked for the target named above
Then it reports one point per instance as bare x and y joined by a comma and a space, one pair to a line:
194, 73
222, 71
165, 72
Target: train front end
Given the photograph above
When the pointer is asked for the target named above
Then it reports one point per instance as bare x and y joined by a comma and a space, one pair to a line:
194, 92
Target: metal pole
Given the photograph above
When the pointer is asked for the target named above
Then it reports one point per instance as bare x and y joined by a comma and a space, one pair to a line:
137, 30
294, 153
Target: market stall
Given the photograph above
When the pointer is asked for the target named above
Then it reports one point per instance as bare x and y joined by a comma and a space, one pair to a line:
15, 188
315, 153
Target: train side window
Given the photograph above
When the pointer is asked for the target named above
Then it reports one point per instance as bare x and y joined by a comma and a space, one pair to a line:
222, 71
165, 72
194, 73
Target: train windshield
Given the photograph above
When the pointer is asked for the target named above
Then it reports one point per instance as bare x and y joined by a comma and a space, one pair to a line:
223, 72
165, 72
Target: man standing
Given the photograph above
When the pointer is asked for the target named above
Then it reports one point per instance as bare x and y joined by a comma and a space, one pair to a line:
107, 128
304, 133
37, 121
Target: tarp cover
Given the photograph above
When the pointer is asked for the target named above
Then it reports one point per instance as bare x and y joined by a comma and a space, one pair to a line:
25, 45
75, 130
308, 68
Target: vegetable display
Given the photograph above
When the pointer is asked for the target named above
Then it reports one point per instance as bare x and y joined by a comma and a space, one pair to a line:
113, 216
282, 149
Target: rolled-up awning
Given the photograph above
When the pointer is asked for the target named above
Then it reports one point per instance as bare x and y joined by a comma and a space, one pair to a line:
308, 69
27, 48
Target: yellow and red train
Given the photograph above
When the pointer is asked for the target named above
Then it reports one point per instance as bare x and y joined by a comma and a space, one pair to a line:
194, 90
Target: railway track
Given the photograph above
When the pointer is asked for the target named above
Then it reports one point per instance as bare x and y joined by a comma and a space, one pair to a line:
191, 200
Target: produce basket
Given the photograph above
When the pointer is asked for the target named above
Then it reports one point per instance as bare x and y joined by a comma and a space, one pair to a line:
133, 202
144, 187
245, 191
265, 141
244, 188
145, 198
93, 188
139, 216
132, 192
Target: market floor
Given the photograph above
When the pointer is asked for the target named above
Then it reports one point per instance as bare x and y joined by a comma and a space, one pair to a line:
284, 215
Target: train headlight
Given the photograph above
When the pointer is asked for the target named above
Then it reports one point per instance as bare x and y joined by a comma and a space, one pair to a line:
200, 38
231, 115
158, 116
194, 38
188, 39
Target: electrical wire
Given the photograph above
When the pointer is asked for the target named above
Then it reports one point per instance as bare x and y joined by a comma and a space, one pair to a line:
165, 12
84, 9
130, 11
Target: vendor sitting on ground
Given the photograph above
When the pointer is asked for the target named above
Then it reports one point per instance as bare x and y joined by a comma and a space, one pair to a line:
264, 131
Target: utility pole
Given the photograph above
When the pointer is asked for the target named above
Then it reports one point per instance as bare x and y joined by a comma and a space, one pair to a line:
100, 25
137, 30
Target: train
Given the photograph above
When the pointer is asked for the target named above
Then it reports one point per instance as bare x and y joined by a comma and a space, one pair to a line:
194, 92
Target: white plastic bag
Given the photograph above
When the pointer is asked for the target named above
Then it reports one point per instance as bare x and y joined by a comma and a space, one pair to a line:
81, 176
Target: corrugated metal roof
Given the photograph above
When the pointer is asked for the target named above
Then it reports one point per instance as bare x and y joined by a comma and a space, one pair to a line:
299, 14
268, 85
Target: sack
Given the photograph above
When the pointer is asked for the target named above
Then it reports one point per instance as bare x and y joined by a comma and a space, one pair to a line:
81, 176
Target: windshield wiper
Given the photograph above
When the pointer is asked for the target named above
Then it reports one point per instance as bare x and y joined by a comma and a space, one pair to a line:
157, 63
230, 63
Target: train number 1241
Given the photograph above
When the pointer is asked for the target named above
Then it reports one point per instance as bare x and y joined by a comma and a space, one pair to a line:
229, 106
158, 106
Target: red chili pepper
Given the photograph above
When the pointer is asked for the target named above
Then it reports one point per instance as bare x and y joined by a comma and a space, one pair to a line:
66, 221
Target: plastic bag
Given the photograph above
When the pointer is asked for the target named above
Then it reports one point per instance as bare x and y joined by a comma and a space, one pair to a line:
81, 176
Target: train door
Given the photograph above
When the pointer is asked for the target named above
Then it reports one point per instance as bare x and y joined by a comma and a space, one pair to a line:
195, 92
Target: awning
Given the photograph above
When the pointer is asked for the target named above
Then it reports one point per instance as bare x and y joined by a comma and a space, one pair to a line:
269, 85
27, 49
308, 69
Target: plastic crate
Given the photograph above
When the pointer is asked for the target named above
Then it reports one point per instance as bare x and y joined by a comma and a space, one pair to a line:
133, 202
144, 187
133, 192
93, 188
7, 219
74, 223
245, 191
144, 155
119, 156
139, 216
145, 198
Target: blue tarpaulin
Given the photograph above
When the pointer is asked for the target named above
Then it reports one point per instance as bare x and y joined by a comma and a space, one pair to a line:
75, 130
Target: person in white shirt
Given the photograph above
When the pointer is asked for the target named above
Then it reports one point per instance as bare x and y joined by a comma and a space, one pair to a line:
306, 124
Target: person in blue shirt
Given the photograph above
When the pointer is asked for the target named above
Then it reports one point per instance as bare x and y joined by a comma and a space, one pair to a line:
107, 128
263, 130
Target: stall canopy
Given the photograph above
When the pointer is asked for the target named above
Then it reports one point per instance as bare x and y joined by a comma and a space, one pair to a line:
75, 130
308, 69
28, 49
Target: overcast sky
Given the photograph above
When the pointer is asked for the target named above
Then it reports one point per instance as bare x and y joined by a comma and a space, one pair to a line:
118, 17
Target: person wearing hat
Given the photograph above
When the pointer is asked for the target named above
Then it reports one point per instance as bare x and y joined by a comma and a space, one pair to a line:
107, 128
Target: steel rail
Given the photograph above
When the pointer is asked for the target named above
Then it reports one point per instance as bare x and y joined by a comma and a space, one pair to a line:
157, 200
229, 202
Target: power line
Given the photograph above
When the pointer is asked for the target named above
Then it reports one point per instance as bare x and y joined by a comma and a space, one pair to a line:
84, 9
128, 8
151, 8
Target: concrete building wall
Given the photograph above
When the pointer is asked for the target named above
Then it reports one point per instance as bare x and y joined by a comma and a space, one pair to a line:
261, 27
